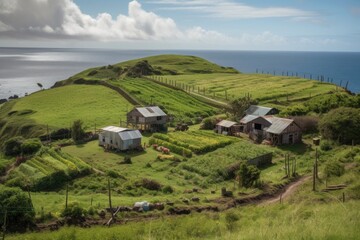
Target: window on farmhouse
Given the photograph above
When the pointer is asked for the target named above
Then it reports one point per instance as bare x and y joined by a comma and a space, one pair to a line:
257, 126
158, 118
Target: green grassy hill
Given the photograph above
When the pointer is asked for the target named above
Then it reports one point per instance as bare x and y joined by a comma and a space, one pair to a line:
159, 65
59, 107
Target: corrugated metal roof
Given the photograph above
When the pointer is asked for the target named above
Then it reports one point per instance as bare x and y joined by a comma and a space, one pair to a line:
114, 129
151, 111
226, 123
248, 118
278, 125
130, 134
257, 110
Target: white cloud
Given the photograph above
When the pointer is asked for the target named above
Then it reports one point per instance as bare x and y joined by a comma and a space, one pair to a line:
64, 19
231, 9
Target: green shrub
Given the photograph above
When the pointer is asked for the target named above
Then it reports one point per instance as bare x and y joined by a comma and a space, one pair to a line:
326, 145
73, 211
12, 199
168, 189
341, 124
208, 123
248, 175
112, 174
12, 147
31, 146
334, 168
150, 184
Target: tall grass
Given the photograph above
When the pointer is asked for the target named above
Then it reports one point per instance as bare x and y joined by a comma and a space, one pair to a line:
295, 221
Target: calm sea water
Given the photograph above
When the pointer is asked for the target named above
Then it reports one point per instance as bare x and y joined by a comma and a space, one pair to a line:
22, 68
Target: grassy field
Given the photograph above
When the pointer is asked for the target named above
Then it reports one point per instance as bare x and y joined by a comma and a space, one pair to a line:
263, 87
59, 107
286, 221
176, 102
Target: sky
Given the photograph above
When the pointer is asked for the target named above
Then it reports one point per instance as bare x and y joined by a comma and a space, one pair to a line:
292, 25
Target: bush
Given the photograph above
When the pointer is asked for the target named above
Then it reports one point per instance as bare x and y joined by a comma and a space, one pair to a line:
12, 147
342, 125
11, 199
31, 146
61, 133
208, 123
168, 189
150, 184
77, 131
112, 174
248, 175
74, 212
326, 145
334, 168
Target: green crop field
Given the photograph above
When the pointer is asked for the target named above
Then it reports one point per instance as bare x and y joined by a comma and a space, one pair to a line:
48, 168
176, 102
59, 107
196, 141
263, 87
214, 163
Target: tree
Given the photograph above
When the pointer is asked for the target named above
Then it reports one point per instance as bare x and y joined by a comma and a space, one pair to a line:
239, 106
77, 131
248, 174
19, 210
342, 125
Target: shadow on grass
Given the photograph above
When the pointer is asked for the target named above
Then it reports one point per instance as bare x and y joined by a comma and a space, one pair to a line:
299, 148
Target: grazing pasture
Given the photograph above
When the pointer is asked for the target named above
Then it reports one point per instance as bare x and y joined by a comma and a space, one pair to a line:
266, 88
59, 107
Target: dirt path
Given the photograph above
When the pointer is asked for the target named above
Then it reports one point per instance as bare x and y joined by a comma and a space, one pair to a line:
288, 190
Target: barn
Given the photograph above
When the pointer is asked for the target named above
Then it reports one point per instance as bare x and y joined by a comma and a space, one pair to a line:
151, 119
120, 138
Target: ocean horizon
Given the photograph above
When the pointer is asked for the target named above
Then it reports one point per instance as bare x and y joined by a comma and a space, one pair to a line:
22, 68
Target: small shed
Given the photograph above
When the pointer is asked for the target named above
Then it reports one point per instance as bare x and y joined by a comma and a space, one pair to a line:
261, 111
120, 138
150, 118
283, 131
227, 128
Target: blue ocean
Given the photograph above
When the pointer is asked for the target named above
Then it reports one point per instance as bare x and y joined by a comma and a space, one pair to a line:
22, 68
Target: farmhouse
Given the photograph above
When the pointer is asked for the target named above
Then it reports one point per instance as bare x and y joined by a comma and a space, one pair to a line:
261, 111
227, 127
151, 119
275, 130
120, 138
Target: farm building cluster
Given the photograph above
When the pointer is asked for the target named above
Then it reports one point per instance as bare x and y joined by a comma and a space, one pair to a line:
147, 119
261, 125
